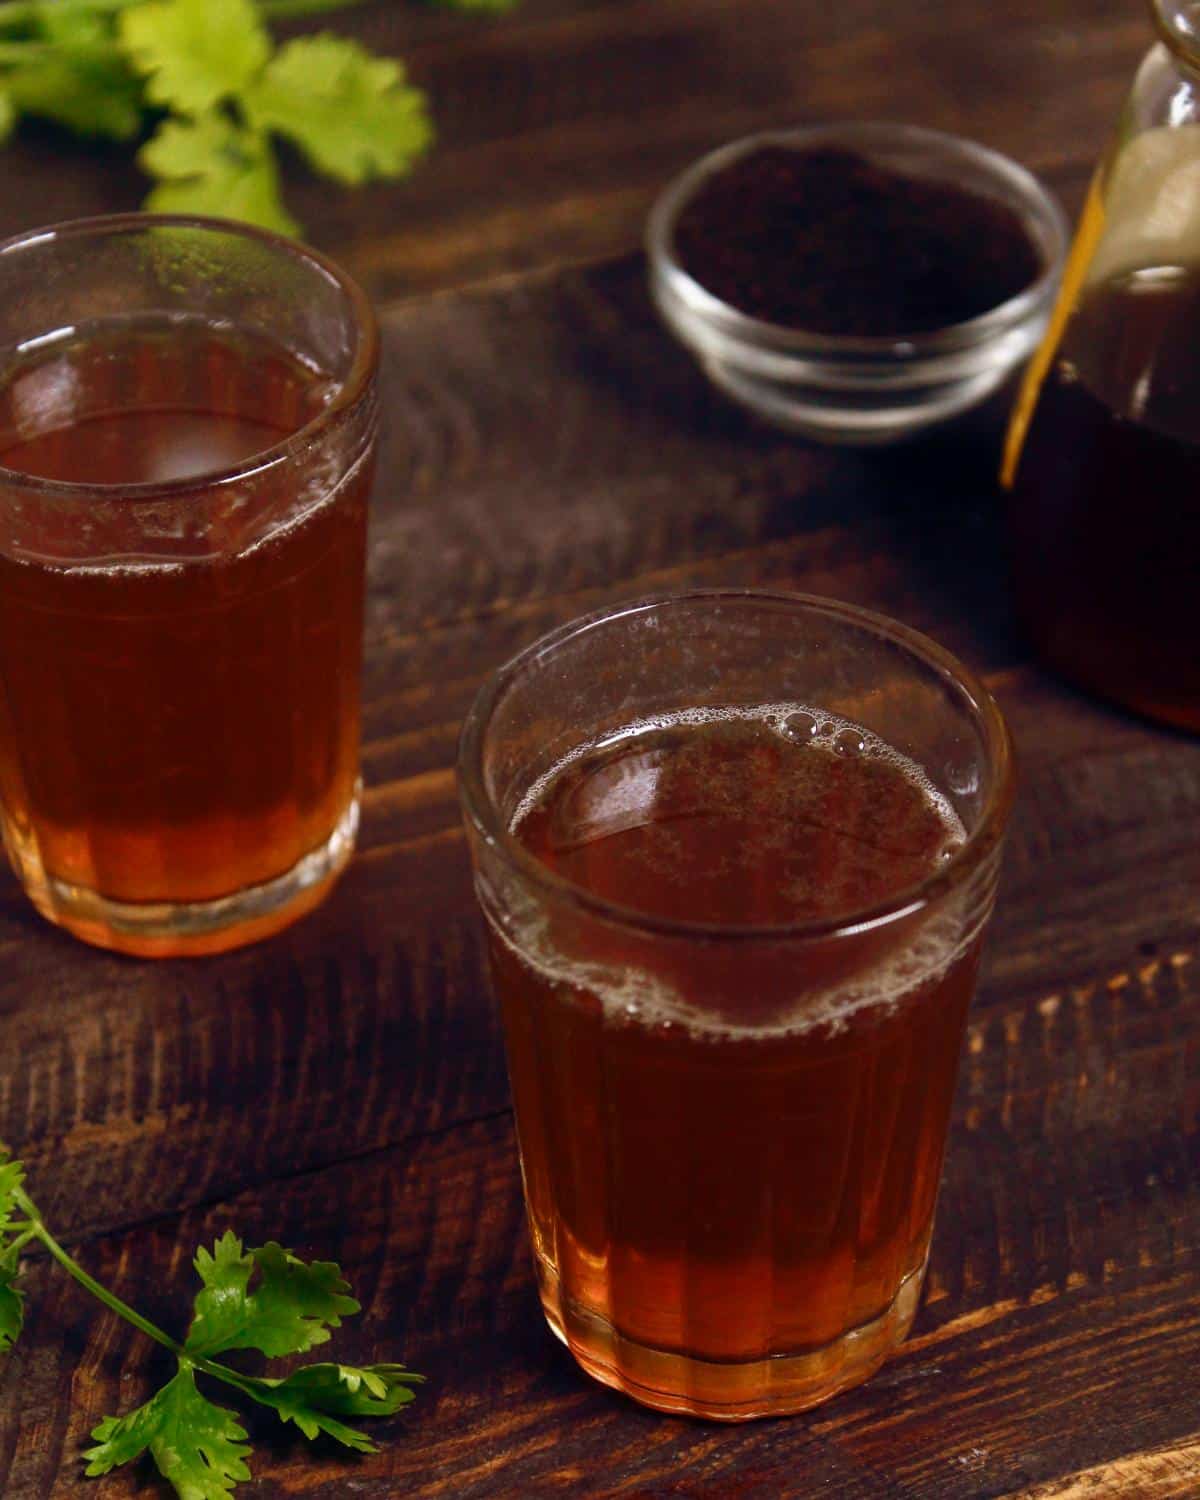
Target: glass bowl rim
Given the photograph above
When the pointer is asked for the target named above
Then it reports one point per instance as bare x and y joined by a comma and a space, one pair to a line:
1038, 203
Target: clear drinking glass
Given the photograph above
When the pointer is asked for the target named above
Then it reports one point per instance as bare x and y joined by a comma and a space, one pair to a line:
187, 431
731, 1132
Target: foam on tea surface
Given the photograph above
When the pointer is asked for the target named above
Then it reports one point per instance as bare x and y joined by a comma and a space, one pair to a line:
756, 817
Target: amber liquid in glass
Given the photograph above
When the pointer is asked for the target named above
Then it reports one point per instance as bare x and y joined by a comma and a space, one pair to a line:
1106, 506
176, 729
729, 1157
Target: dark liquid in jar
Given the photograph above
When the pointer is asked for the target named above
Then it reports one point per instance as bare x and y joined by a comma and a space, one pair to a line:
1106, 503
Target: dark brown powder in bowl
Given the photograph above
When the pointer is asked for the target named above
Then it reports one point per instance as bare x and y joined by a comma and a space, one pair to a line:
825, 240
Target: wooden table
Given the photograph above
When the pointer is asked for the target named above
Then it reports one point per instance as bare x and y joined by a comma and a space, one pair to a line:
548, 449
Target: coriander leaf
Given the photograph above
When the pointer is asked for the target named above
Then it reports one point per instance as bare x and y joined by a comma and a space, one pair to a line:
351, 113
291, 1309
12, 1309
314, 1396
196, 148
90, 94
197, 1445
212, 166
345, 1390
194, 52
480, 5
71, 25
311, 1420
12, 1306
12, 1178
79, 79
8, 116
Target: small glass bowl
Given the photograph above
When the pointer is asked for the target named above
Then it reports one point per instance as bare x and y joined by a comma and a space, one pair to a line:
850, 389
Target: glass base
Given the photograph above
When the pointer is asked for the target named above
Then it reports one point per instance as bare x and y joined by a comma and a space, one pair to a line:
194, 928
727, 1391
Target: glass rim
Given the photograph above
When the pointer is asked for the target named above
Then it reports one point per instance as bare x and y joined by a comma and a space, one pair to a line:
980, 843
1178, 27
349, 393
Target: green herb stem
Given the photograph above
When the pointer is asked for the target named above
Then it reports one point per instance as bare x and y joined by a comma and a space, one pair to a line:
245, 1384
36, 1230
28, 1233
72, 1267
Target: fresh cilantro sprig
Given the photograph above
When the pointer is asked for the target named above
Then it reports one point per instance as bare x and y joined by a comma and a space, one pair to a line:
265, 1299
216, 92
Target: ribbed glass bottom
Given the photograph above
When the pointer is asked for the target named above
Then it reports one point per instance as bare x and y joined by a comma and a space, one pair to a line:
193, 928
732, 1391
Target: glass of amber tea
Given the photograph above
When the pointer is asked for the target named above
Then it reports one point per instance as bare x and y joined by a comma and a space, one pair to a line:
736, 853
187, 429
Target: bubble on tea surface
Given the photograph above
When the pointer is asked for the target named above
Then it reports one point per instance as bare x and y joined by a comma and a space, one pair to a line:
849, 741
800, 726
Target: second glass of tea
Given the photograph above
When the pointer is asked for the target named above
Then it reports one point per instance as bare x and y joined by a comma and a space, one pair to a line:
736, 853
187, 430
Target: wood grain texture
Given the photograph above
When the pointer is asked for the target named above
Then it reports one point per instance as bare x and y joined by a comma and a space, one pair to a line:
342, 1087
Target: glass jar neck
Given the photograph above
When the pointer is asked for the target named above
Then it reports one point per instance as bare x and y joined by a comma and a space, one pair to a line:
1178, 24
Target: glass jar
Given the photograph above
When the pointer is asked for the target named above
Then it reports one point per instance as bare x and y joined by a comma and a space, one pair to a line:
1103, 451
